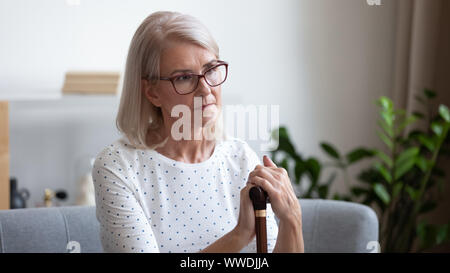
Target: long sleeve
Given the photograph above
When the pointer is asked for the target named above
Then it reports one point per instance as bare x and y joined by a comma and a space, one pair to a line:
123, 225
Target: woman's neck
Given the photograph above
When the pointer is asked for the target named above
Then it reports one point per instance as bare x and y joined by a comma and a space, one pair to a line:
188, 151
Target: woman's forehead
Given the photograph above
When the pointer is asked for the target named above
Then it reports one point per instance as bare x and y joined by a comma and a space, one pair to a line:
186, 56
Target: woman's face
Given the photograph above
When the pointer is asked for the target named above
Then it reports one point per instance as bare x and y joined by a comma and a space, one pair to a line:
178, 59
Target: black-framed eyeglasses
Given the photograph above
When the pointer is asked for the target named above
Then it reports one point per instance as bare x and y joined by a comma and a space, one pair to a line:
187, 83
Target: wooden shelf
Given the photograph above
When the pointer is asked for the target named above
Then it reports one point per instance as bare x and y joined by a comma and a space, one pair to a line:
4, 156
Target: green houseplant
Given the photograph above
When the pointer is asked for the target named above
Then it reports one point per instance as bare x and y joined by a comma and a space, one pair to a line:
402, 183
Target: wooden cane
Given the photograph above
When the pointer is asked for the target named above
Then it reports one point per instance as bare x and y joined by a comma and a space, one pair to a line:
259, 200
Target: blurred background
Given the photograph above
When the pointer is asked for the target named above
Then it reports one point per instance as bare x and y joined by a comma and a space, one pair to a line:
324, 62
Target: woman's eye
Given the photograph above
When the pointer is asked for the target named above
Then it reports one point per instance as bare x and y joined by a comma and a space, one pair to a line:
183, 78
212, 71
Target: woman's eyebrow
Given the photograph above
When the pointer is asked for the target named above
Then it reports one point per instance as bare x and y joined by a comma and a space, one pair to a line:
208, 64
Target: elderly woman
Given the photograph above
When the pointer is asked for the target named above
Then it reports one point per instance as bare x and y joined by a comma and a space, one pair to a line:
159, 192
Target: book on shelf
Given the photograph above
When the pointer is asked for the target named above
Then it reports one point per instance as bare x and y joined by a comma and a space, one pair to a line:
85, 82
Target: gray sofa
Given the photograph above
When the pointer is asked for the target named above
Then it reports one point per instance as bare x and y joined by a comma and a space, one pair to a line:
328, 226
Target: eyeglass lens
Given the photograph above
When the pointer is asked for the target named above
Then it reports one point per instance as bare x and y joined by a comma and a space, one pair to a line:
187, 83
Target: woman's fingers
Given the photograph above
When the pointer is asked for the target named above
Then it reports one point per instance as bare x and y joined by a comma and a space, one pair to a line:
273, 175
246, 222
263, 183
276, 182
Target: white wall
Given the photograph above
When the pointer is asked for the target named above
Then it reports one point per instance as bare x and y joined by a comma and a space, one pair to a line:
52, 141
345, 63
323, 61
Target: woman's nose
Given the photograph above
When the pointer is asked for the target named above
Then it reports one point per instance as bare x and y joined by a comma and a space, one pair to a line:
203, 87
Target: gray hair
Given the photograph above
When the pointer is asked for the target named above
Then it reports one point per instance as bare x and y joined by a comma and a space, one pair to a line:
137, 114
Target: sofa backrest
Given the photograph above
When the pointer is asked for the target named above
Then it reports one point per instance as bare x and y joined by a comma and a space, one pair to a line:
50, 230
328, 226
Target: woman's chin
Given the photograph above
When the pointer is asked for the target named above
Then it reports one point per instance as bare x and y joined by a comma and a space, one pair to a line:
210, 114
210, 111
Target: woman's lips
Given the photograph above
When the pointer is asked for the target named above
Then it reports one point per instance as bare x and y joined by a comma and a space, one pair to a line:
206, 105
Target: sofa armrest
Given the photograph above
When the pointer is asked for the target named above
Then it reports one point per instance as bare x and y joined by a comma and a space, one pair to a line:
338, 226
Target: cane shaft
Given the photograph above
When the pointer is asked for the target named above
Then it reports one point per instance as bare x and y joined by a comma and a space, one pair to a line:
259, 200
261, 231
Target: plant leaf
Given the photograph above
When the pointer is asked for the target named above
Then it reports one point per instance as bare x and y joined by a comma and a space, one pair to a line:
414, 134
405, 123
444, 112
385, 103
420, 230
330, 150
313, 168
437, 128
284, 141
413, 193
299, 170
404, 166
442, 234
358, 191
422, 163
336, 196
427, 142
418, 115
396, 189
370, 176
388, 117
399, 112
358, 154
429, 93
389, 130
407, 154
426, 234
385, 139
386, 159
385, 173
323, 191
382, 193
284, 164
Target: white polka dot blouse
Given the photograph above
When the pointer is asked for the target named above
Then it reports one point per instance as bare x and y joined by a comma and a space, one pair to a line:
147, 202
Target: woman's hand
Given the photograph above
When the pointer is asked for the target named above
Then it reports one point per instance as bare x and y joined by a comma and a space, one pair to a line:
275, 181
245, 228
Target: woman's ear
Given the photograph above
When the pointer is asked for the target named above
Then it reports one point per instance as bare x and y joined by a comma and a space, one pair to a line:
150, 92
